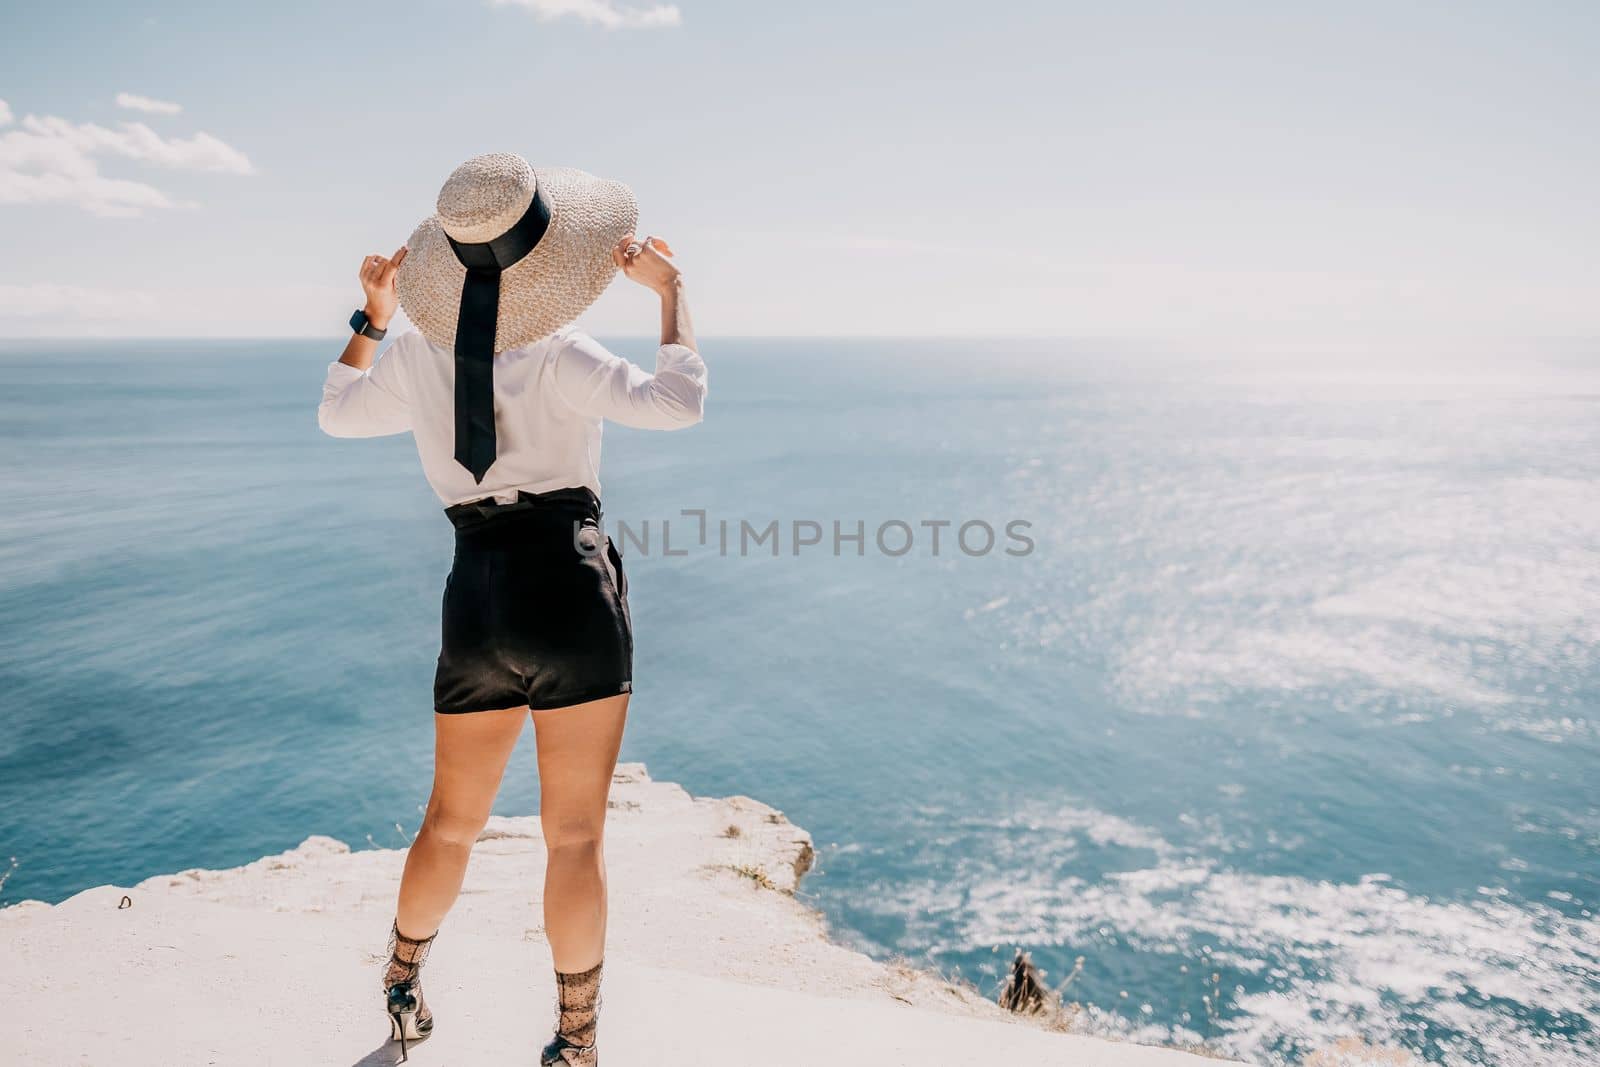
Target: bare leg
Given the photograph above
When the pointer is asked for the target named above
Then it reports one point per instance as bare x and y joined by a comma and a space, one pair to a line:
470, 756
578, 748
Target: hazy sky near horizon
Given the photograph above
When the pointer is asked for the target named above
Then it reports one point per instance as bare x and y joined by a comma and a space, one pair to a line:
1179, 171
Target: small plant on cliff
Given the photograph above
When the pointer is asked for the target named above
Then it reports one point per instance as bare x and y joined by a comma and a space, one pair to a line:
1025, 993
756, 874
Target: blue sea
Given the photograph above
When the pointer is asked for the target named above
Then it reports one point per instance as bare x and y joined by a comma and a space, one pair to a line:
1287, 724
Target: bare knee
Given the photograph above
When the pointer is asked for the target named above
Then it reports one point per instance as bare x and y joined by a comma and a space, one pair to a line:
576, 837
454, 826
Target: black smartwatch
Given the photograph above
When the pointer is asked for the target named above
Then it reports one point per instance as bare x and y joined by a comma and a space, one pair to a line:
363, 325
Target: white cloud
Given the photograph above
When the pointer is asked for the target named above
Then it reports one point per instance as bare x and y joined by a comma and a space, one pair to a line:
601, 13
135, 140
134, 102
5, 113
46, 159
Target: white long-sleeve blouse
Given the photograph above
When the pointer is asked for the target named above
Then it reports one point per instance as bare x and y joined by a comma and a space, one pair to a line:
550, 398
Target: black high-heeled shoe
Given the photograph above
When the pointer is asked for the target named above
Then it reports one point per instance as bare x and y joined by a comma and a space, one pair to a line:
552, 1054
409, 1017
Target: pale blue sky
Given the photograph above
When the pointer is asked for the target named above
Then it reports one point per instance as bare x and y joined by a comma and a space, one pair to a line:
1184, 171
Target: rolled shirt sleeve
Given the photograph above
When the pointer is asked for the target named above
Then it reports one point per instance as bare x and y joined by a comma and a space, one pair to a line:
596, 382
370, 403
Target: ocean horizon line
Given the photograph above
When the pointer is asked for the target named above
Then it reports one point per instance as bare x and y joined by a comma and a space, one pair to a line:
1188, 346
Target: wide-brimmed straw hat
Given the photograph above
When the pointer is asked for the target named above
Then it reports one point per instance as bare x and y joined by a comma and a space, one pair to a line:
489, 211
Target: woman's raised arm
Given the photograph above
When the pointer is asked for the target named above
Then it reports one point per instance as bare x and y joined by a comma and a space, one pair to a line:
596, 382
357, 402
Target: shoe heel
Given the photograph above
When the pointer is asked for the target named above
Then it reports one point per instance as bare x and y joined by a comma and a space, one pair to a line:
403, 1028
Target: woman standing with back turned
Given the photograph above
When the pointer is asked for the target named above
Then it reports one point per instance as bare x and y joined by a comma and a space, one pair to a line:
505, 400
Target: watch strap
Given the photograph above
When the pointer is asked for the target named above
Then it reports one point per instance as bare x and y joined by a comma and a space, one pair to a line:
363, 325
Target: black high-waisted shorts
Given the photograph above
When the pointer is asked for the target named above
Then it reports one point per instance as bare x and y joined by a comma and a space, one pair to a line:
535, 609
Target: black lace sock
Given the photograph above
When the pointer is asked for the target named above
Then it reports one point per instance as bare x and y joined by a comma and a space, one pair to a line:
578, 995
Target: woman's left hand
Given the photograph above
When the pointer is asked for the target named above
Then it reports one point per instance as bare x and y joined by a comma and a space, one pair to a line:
377, 281
646, 262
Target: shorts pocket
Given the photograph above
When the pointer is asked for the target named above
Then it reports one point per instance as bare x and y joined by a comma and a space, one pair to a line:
619, 575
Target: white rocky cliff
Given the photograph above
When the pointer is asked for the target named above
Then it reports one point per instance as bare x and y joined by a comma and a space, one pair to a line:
711, 961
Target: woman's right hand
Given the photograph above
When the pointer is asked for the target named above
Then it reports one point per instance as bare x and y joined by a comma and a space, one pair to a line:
377, 281
646, 262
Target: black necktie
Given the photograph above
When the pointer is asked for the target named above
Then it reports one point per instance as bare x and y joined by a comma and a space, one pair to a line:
475, 331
